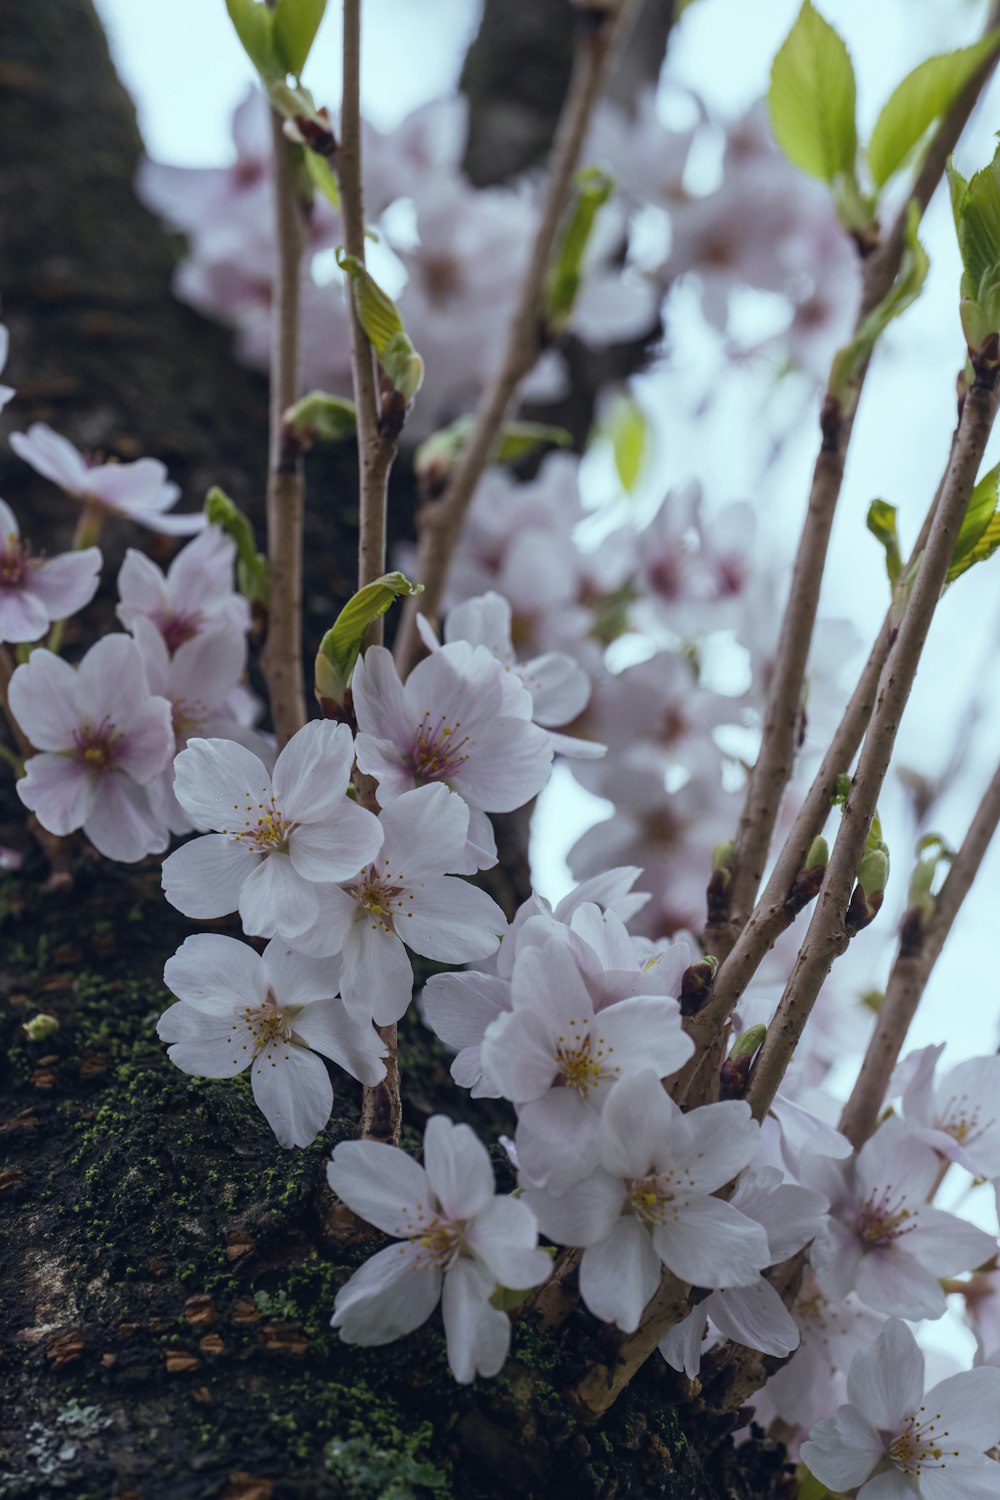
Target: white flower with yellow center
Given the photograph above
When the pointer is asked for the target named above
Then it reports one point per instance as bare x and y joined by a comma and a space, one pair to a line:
898, 1444
272, 1013
279, 836
959, 1113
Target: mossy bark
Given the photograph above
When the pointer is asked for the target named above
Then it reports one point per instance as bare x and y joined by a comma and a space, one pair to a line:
168, 1270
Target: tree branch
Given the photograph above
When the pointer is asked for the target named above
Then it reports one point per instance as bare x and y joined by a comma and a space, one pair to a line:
918, 953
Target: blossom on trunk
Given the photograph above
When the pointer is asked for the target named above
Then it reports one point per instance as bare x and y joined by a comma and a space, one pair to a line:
459, 719
103, 737
36, 591
649, 1203
279, 837
897, 1443
272, 1013
883, 1240
406, 895
458, 1240
138, 491
194, 595
557, 1056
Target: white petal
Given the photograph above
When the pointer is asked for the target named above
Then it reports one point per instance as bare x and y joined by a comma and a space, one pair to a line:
220, 784
890, 1281
201, 1044
216, 974
346, 841
293, 1091
723, 1140
755, 1316
297, 979
376, 980
968, 1407
274, 898
638, 1115
327, 1027
452, 921
43, 699
425, 833
681, 1346
312, 772
459, 1007
477, 1345
382, 1185
620, 1274
843, 1450
204, 878
557, 1139
504, 1237
710, 1243
886, 1379
458, 1168
389, 1296
584, 1215
378, 698
121, 823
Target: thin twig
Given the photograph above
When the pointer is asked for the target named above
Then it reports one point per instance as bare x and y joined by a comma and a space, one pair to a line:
281, 659
827, 937
919, 951
440, 523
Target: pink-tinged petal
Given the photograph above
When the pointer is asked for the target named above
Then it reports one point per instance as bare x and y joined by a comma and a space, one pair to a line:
511, 764
206, 668
379, 701
201, 1044
276, 901
121, 823
791, 1216
293, 1092
297, 979
52, 456
558, 685
355, 1046
557, 1140
620, 1274
142, 589
216, 974
454, 687
459, 1007
391, 1295
519, 1053
710, 1243
66, 583
204, 878
155, 656
504, 1237
756, 1317
382, 1185
112, 681
10, 530
843, 1450
137, 489
967, 1406
376, 980
638, 1115
311, 773
484, 621
147, 747
584, 1215
893, 1155
22, 616
890, 1281
458, 1168
946, 1244
477, 1345
723, 1139
451, 921
383, 760
201, 575
220, 784
425, 831
43, 699
59, 791
338, 848
836, 1257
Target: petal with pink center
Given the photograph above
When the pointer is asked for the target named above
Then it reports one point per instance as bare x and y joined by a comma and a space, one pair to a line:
338, 848
293, 1092
382, 1185
389, 1296
44, 699
60, 791
216, 974
458, 1168
112, 681
620, 1274
204, 878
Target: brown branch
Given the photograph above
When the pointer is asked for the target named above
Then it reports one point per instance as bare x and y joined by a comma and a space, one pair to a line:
440, 524
281, 659
827, 935
919, 952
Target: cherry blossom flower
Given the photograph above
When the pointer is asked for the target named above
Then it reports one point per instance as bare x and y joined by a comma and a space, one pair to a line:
37, 591
895, 1442
831, 1330
138, 491
883, 1240
459, 719
558, 685
556, 1056
406, 896
957, 1114
103, 738
649, 1203
459, 1239
272, 1013
278, 836
195, 595
7, 392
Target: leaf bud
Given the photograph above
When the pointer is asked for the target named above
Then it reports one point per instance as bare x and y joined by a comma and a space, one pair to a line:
736, 1068
318, 418
696, 983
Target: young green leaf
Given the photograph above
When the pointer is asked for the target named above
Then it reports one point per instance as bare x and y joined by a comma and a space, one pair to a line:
254, 24
324, 178
979, 536
629, 431
593, 188
905, 290
296, 23
251, 566
382, 324
812, 98
923, 97
882, 525
320, 418
341, 646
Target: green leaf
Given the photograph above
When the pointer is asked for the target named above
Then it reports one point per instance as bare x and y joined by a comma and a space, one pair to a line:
340, 647
979, 536
629, 433
296, 23
518, 439
379, 317
255, 29
812, 97
905, 290
979, 224
882, 525
923, 97
324, 178
251, 566
593, 188
320, 418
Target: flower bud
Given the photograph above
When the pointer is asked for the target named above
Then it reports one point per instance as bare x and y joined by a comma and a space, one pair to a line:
736, 1068
696, 983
